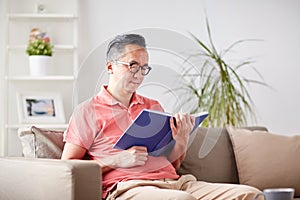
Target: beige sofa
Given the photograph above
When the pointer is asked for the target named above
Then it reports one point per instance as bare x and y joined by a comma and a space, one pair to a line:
48, 179
210, 157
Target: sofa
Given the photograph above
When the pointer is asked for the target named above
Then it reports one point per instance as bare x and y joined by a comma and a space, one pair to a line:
223, 155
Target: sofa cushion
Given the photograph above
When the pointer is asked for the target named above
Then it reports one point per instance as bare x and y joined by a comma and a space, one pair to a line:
266, 160
41, 143
210, 156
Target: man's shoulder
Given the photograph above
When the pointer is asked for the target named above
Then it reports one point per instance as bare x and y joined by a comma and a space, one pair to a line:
145, 99
85, 105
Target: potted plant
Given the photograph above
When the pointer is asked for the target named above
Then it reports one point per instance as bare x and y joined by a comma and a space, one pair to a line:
218, 86
40, 51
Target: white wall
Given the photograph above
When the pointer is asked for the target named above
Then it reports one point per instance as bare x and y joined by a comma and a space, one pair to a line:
276, 22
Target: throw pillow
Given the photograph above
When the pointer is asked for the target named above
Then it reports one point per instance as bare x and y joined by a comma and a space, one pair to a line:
266, 160
210, 156
41, 143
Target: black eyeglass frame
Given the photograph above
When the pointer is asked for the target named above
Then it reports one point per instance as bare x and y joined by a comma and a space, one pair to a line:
144, 69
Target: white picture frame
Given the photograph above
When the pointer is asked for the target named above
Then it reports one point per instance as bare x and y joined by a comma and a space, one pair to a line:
40, 108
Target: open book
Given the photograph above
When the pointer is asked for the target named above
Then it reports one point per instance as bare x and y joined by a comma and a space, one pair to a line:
152, 129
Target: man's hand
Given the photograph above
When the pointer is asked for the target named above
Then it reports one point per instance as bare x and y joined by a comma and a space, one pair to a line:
184, 125
180, 133
134, 156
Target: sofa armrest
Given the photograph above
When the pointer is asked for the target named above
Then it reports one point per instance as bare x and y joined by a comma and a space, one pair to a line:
35, 179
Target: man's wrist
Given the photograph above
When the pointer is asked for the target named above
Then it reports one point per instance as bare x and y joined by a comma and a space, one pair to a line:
108, 162
181, 141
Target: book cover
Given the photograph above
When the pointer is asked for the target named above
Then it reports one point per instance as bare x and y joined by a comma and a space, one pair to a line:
152, 129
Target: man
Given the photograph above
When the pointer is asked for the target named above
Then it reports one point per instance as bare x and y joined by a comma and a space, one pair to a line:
133, 174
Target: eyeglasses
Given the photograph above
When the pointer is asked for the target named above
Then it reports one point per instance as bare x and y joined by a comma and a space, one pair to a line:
134, 67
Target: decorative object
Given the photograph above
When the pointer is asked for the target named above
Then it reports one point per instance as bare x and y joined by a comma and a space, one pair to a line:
39, 65
40, 108
41, 143
217, 85
40, 51
40, 8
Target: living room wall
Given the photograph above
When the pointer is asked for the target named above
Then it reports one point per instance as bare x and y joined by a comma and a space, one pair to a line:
276, 22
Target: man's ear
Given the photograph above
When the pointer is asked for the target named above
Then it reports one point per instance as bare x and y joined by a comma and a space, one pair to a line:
109, 67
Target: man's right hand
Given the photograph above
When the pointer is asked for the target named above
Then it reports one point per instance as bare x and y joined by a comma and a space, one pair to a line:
134, 156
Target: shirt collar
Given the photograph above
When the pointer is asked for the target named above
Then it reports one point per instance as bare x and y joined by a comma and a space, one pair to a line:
106, 98
136, 99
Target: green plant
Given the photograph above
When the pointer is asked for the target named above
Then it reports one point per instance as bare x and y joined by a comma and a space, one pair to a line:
39, 47
218, 87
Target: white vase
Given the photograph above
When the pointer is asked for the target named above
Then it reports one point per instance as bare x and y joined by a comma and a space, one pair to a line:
39, 65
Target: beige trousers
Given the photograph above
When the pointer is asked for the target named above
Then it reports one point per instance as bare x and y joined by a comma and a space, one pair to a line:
185, 188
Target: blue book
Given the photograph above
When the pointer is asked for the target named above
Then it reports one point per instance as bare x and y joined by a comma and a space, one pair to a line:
152, 129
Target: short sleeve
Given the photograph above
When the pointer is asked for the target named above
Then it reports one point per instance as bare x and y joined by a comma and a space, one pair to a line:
83, 126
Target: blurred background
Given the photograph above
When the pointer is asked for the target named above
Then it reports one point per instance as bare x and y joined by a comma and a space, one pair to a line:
167, 26
276, 22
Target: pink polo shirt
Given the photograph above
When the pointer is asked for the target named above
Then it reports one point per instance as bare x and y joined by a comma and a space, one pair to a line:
97, 124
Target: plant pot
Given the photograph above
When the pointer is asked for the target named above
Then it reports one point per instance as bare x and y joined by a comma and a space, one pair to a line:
39, 65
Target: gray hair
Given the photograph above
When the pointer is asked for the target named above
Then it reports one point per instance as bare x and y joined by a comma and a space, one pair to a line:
116, 47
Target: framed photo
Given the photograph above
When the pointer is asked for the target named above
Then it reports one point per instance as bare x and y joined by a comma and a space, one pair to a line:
40, 108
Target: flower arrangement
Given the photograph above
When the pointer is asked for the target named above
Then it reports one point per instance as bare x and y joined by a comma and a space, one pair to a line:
39, 44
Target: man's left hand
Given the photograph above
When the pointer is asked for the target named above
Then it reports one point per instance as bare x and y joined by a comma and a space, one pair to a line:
183, 127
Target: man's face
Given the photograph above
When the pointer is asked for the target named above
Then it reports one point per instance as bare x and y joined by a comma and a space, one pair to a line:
124, 79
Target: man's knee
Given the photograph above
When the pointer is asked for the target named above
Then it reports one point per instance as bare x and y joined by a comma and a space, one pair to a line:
181, 195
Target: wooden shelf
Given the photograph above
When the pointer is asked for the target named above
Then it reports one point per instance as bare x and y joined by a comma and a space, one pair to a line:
50, 126
60, 21
56, 47
40, 78
31, 16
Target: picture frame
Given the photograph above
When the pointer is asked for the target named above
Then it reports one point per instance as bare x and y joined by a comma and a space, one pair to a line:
46, 108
